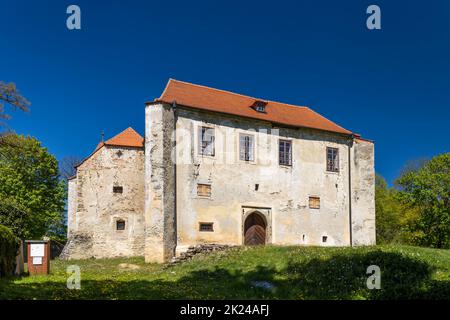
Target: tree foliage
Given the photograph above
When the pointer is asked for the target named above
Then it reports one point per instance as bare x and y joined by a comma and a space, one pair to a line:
16, 216
9, 245
31, 192
428, 190
392, 216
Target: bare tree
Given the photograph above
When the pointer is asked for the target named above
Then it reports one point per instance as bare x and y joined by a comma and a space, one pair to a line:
67, 166
10, 95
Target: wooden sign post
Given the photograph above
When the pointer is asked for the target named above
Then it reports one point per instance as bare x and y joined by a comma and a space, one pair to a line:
38, 256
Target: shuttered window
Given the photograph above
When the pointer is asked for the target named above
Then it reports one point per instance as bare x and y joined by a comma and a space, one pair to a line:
206, 141
314, 202
204, 190
246, 147
285, 152
332, 159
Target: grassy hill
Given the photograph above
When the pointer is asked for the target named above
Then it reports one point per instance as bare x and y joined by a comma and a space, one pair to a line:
294, 272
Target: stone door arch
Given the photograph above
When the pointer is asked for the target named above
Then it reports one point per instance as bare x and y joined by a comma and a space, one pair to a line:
256, 226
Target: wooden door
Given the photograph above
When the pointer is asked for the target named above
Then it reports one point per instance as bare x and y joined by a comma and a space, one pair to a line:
254, 230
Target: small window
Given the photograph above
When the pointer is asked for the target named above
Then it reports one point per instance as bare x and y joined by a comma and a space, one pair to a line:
285, 152
260, 106
246, 147
314, 202
324, 239
204, 190
332, 159
206, 227
257, 187
206, 141
120, 225
117, 189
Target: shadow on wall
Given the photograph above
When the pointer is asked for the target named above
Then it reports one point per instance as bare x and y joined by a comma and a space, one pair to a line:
339, 277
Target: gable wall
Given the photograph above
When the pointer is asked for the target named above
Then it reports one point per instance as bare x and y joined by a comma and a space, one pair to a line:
94, 211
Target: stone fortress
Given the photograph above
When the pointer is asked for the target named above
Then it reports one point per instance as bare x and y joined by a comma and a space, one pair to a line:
220, 167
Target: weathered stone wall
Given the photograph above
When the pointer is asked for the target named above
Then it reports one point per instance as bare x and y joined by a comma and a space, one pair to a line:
162, 209
283, 192
71, 206
160, 232
94, 208
363, 193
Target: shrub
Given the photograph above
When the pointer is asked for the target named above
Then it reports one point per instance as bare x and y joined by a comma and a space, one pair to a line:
9, 245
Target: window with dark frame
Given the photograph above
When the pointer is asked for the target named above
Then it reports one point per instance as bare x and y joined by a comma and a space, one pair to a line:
260, 106
324, 239
246, 147
332, 159
314, 202
120, 225
117, 189
285, 152
206, 141
206, 227
204, 190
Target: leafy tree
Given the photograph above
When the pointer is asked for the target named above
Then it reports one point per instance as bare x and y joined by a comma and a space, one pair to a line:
387, 212
428, 190
29, 180
16, 217
392, 216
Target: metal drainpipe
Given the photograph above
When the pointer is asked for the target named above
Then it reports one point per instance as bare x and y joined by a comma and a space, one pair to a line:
350, 145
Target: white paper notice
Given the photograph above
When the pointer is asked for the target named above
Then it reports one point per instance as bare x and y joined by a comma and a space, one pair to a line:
37, 260
37, 250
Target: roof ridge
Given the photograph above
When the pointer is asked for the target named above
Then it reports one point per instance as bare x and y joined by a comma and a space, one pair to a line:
122, 132
165, 88
215, 89
318, 114
227, 91
219, 100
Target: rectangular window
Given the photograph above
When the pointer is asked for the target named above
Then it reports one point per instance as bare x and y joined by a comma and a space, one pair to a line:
204, 190
117, 189
206, 227
314, 202
246, 147
285, 152
120, 225
332, 159
206, 141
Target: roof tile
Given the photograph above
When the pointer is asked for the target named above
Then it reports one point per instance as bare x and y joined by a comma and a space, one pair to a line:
205, 98
127, 138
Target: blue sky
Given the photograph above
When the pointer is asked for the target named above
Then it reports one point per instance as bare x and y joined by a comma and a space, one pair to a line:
390, 85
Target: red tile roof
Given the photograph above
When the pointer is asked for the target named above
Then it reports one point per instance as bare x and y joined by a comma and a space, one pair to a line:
205, 98
127, 138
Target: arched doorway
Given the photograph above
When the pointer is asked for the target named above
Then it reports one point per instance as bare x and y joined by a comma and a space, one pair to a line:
254, 230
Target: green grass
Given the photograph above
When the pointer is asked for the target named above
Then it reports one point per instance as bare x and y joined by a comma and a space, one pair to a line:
296, 272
